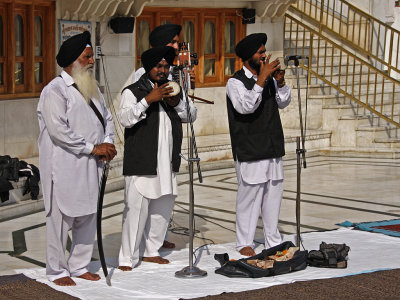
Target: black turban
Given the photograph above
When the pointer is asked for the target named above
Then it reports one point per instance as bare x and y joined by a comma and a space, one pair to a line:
150, 58
72, 48
163, 34
249, 45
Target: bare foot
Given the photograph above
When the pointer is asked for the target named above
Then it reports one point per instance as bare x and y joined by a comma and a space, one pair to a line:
168, 245
156, 259
247, 251
64, 281
125, 268
89, 276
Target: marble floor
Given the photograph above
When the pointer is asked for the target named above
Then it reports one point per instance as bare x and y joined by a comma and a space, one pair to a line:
333, 190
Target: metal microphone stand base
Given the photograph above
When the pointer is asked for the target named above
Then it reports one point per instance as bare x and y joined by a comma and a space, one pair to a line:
190, 272
299, 152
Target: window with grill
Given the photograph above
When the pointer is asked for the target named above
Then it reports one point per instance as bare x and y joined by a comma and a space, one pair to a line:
27, 58
211, 33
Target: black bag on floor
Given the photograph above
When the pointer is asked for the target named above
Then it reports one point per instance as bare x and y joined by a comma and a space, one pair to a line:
31, 172
5, 187
329, 256
241, 268
9, 167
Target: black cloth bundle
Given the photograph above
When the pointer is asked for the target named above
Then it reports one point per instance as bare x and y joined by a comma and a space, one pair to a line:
241, 268
329, 256
13, 168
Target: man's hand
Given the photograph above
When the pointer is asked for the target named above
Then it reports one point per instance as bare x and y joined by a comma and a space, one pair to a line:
104, 151
266, 70
279, 76
158, 93
174, 100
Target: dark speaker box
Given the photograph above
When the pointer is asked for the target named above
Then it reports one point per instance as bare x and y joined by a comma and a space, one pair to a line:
122, 24
248, 16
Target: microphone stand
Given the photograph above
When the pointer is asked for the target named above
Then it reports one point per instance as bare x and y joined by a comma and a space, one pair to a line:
190, 271
300, 152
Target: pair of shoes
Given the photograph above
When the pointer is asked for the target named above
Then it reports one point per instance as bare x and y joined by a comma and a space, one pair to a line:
168, 245
64, 281
156, 259
125, 268
247, 251
89, 276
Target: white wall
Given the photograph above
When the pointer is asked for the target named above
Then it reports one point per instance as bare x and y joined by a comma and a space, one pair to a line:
19, 128
213, 119
383, 10
274, 30
395, 50
119, 62
18, 120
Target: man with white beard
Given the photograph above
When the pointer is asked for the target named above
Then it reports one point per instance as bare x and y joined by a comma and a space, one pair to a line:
76, 136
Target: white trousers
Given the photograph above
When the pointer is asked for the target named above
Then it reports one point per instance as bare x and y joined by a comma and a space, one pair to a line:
251, 198
83, 234
144, 224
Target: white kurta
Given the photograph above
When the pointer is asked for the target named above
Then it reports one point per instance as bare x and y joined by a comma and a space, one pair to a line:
260, 182
131, 112
148, 199
246, 102
139, 72
69, 175
68, 130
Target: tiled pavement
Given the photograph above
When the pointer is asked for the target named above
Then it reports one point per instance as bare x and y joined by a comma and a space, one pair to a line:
334, 189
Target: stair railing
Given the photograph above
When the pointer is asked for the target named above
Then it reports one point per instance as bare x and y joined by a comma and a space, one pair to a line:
343, 71
371, 37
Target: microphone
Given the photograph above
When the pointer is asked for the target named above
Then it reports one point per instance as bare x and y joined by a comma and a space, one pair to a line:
293, 57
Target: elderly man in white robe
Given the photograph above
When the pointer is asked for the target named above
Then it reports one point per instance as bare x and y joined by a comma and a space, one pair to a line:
254, 95
76, 136
153, 135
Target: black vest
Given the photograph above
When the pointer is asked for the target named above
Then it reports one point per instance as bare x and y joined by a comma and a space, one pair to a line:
258, 135
141, 140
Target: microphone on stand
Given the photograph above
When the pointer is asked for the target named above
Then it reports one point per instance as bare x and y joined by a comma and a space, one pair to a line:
295, 58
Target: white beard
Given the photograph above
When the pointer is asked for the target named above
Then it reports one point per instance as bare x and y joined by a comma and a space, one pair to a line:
84, 79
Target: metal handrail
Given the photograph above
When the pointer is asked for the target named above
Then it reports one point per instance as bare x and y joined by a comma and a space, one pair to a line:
344, 71
368, 35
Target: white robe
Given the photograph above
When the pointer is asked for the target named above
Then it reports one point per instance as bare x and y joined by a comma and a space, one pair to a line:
69, 174
132, 112
139, 72
260, 182
149, 199
68, 130
246, 102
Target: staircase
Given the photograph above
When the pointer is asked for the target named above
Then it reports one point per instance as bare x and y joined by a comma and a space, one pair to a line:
350, 92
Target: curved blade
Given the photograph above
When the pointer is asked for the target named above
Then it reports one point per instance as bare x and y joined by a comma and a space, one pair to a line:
99, 216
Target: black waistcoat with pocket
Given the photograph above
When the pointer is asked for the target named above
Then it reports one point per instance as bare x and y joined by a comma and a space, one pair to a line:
258, 135
141, 140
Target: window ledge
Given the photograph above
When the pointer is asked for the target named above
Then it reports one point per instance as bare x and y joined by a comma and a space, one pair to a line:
19, 96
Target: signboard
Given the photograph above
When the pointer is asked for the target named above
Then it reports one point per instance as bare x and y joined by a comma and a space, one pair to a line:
71, 28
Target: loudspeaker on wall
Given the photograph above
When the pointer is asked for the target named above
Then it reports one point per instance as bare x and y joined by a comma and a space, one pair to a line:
248, 16
122, 24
